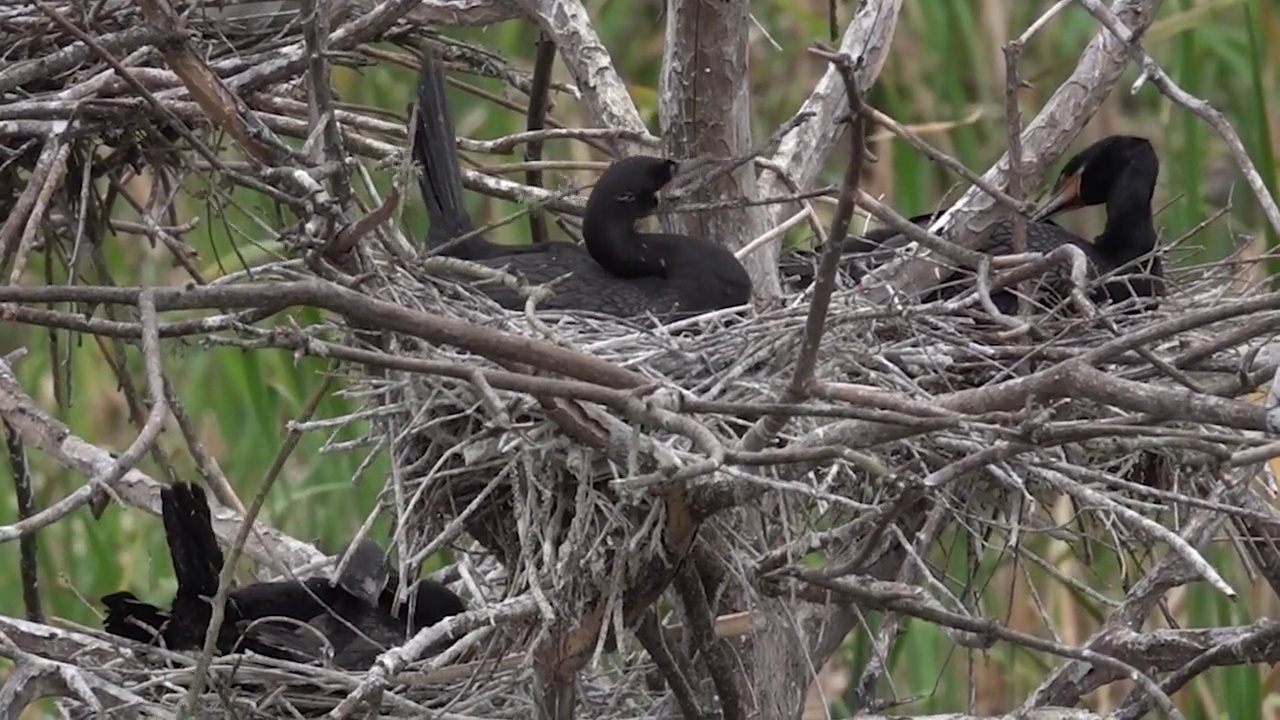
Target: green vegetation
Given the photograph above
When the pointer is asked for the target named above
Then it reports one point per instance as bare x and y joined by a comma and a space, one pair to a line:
945, 77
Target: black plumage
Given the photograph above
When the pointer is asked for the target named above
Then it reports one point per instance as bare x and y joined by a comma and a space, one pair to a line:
617, 270
1119, 171
197, 561
440, 181
358, 635
357, 642
266, 617
863, 253
859, 254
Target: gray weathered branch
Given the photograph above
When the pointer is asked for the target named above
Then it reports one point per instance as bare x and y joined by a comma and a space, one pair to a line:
40, 430
567, 23
866, 39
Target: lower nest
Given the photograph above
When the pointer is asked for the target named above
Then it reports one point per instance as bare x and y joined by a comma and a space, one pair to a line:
143, 686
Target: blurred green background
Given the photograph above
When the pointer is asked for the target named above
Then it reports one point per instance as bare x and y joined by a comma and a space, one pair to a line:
944, 78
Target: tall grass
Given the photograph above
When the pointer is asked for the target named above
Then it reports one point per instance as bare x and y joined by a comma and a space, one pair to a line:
945, 73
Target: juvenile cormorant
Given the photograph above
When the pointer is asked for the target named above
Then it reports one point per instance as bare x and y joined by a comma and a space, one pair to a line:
361, 597
617, 270
197, 561
358, 639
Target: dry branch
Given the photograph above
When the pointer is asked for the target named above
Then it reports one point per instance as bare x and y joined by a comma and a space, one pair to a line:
567, 23
40, 430
586, 470
868, 37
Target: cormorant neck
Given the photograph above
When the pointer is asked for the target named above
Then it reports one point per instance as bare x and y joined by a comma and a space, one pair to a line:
614, 243
1130, 231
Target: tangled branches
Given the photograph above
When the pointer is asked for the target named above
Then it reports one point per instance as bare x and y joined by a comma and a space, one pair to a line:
713, 505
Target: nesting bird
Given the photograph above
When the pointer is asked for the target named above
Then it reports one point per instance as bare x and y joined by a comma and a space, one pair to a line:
1119, 171
353, 614
617, 270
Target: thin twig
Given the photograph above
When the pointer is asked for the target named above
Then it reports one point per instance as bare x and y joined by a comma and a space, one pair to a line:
227, 574
539, 105
28, 558
802, 377
1013, 120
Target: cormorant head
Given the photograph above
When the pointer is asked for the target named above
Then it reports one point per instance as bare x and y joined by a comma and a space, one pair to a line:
1091, 175
366, 572
630, 186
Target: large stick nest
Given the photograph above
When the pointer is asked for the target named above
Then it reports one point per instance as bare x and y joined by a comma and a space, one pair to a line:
456, 441
576, 496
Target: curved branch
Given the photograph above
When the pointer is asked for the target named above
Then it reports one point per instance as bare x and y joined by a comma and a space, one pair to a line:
866, 39
567, 23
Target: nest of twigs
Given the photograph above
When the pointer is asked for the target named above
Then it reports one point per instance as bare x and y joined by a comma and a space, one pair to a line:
693, 470
457, 440
505, 475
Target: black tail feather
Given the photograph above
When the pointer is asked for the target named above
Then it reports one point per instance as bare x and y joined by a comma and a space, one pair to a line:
188, 527
197, 561
434, 150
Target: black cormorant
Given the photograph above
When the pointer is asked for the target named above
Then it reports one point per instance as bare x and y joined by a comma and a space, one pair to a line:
1119, 171
617, 270
361, 596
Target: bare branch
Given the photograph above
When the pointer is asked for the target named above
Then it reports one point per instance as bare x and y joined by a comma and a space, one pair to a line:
39, 430
29, 561
802, 378
567, 23
867, 38
539, 104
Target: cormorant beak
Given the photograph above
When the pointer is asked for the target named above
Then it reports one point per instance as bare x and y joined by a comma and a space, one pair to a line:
691, 174
1066, 197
